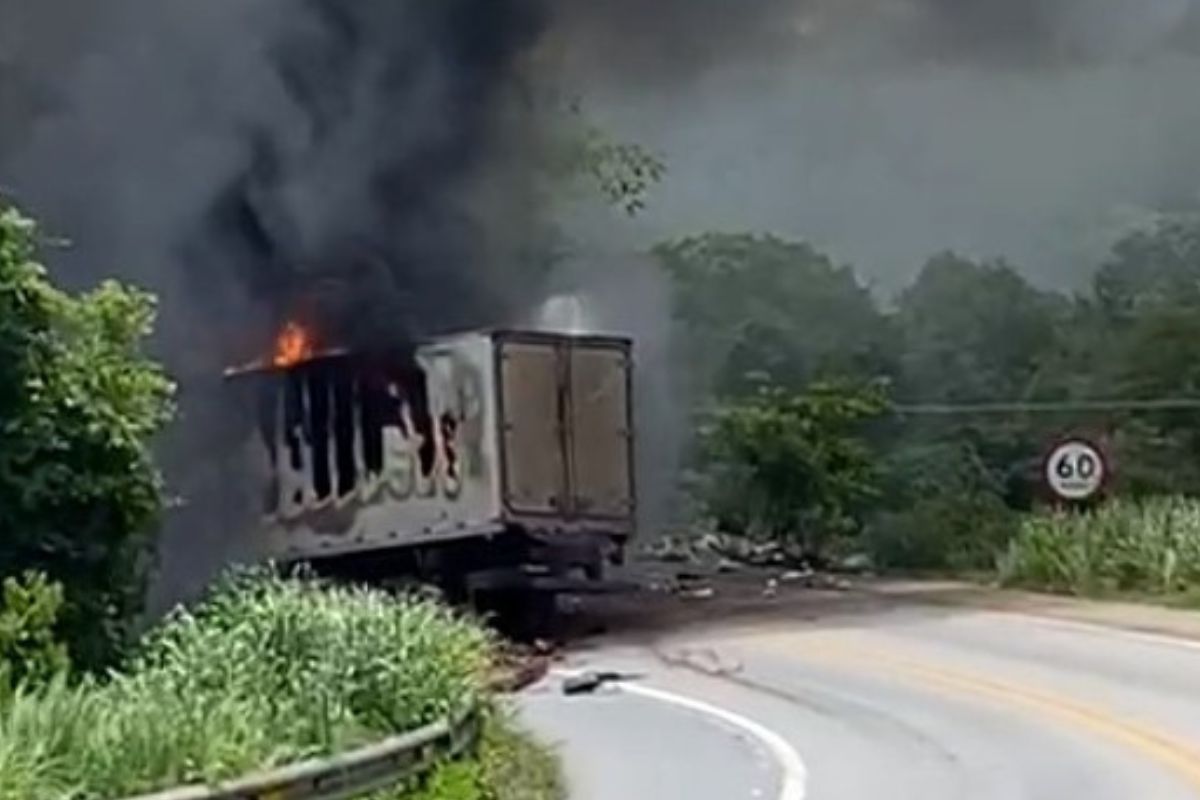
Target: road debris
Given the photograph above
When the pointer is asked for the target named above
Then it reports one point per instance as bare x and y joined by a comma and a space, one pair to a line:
515, 667
724, 553
858, 563
589, 682
702, 593
581, 684
703, 659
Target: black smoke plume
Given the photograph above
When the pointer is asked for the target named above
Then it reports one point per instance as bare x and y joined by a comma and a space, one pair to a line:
366, 166
372, 165
317, 157
369, 163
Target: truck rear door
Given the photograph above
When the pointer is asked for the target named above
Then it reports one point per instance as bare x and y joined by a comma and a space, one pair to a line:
532, 425
567, 432
600, 431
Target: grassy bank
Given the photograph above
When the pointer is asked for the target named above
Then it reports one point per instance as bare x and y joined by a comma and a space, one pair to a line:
1148, 549
510, 765
266, 672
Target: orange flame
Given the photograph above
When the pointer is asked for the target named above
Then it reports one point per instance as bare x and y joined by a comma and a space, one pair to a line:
293, 346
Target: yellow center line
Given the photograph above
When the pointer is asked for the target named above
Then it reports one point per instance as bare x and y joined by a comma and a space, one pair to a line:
1176, 754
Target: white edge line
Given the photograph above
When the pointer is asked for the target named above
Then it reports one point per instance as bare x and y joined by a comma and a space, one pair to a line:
795, 774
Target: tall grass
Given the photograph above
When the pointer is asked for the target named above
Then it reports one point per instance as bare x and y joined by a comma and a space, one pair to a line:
1149, 547
268, 671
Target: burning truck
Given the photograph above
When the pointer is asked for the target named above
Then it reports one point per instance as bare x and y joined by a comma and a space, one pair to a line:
487, 463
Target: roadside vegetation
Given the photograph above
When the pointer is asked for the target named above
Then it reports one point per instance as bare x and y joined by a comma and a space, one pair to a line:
80, 402
901, 468
510, 765
266, 672
1149, 548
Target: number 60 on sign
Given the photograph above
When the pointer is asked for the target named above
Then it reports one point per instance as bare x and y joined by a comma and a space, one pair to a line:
1075, 470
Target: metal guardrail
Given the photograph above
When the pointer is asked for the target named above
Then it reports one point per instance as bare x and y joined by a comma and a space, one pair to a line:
348, 775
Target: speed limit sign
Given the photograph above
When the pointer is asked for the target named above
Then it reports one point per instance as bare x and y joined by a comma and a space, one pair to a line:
1076, 470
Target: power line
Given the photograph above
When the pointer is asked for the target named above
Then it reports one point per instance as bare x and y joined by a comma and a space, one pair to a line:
1063, 407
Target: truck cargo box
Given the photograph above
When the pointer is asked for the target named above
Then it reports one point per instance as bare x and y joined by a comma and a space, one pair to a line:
466, 436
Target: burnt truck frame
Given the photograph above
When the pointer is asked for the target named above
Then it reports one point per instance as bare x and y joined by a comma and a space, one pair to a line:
478, 462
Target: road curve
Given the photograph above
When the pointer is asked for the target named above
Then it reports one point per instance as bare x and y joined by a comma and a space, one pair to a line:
895, 700
624, 742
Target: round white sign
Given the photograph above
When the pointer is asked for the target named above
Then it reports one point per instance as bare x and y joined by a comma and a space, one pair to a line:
1076, 470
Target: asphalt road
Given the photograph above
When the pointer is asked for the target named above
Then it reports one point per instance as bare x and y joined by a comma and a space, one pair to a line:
887, 700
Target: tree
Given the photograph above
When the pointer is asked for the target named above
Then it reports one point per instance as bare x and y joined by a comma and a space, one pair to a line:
1145, 300
943, 505
792, 467
1144, 314
582, 156
79, 404
758, 309
1156, 267
577, 165
974, 332
758, 306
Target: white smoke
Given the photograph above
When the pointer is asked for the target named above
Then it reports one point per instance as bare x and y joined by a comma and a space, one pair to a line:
565, 313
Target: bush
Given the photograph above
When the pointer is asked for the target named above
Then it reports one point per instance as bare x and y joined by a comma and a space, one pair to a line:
1150, 547
947, 532
510, 766
791, 467
515, 767
266, 672
79, 403
30, 652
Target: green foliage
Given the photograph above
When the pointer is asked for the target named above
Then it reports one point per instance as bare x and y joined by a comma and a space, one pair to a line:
623, 172
757, 309
1157, 266
516, 767
757, 306
1150, 547
581, 156
510, 765
792, 466
1143, 325
266, 672
943, 532
30, 653
577, 167
458, 780
79, 402
973, 332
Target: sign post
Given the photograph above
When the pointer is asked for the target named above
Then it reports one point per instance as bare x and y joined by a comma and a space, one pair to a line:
1075, 470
